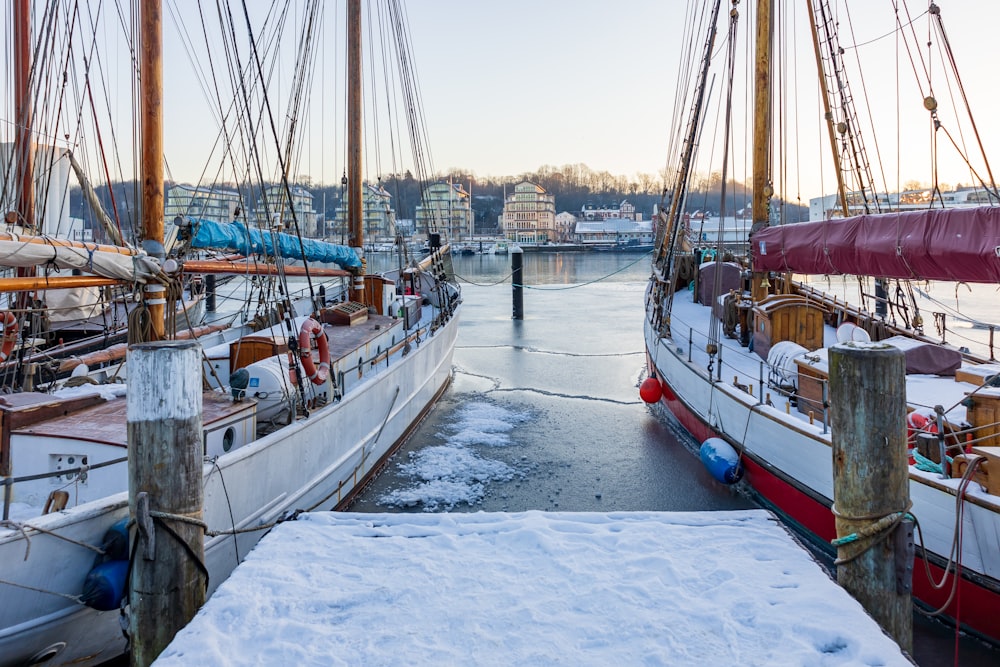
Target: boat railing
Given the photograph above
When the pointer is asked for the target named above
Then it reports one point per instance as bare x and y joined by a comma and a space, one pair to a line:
80, 471
744, 376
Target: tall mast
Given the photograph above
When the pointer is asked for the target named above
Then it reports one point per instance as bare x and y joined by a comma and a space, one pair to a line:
354, 193
825, 93
762, 189
151, 160
23, 150
22, 104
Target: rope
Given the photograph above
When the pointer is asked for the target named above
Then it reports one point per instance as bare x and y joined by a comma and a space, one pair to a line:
878, 530
472, 282
23, 528
71, 598
182, 518
589, 282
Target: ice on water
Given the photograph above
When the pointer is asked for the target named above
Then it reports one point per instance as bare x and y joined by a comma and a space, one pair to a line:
453, 473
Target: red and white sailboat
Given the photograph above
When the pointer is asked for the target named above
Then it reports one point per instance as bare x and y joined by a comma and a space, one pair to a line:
737, 347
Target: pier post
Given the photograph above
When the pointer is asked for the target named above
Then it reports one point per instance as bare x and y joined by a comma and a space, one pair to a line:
517, 280
165, 451
871, 483
210, 292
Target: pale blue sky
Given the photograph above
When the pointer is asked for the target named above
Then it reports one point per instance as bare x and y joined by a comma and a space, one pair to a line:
594, 82
600, 78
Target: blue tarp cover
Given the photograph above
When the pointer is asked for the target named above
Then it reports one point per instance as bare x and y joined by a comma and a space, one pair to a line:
237, 237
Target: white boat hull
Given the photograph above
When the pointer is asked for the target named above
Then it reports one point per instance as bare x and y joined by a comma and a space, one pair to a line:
314, 463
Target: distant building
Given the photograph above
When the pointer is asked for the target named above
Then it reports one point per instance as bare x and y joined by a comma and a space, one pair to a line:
624, 210
275, 205
826, 207
611, 232
446, 207
565, 225
376, 212
210, 203
529, 215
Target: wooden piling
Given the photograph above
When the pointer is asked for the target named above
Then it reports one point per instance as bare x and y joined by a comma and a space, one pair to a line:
517, 280
871, 481
165, 454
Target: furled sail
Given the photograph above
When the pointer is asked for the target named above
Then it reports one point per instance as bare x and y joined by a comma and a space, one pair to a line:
956, 244
237, 237
120, 263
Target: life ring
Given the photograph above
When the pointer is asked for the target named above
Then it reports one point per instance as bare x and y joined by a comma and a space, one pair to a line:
312, 329
917, 423
9, 335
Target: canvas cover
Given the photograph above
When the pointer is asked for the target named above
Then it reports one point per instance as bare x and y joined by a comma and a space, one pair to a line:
237, 237
958, 244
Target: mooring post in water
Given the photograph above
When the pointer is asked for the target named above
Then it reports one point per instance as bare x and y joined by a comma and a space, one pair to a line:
210, 292
165, 450
517, 280
871, 483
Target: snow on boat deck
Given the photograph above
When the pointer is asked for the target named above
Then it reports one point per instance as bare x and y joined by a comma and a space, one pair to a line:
538, 588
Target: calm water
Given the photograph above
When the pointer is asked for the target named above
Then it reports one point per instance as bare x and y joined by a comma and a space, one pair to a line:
544, 413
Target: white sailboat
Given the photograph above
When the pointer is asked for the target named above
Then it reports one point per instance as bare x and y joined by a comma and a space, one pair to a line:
307, 399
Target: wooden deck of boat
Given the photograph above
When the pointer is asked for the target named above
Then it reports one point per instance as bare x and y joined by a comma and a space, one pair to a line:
344, 340
107, 422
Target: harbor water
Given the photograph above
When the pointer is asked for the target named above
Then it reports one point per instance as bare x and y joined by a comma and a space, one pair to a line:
544, 413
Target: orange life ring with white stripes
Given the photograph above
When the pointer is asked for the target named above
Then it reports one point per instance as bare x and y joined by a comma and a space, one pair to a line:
312, 329
9, 335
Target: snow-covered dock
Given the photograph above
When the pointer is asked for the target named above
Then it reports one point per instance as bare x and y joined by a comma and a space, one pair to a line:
538, 588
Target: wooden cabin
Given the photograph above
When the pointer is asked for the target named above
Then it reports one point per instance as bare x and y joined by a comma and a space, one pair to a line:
783, 317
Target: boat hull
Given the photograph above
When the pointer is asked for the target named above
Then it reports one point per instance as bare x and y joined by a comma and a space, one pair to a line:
789, 468
317, 463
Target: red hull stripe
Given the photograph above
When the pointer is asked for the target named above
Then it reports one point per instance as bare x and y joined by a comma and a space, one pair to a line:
979, 605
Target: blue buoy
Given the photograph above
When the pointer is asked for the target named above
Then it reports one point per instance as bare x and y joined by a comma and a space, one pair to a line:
104, 586
721, 460
115, 544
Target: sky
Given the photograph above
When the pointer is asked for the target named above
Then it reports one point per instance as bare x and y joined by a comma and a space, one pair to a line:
509, 87
531, 588
597, 84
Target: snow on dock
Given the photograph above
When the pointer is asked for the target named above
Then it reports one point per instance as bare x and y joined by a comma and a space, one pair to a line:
539, 588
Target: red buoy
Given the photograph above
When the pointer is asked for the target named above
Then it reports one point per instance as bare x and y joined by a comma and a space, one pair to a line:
650, 391
667, 392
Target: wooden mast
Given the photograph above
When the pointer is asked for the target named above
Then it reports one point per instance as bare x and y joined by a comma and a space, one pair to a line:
762, 189
825, 94
22, 104
23, 150
151, 160
354, 187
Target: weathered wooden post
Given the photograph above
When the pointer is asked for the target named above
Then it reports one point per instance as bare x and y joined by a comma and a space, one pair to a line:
871, 482
165, 492
517, 280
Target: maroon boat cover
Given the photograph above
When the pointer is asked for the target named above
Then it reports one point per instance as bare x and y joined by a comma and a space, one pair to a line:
957, 244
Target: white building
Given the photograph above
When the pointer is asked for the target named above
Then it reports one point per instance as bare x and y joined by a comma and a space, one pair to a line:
623, 210
828, 206
565, 225
614, 233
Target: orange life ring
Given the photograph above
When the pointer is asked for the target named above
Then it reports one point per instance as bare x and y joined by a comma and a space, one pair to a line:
9, 335
312, 329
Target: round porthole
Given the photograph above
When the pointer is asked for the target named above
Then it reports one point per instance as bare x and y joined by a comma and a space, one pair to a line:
46, 653
228, 438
